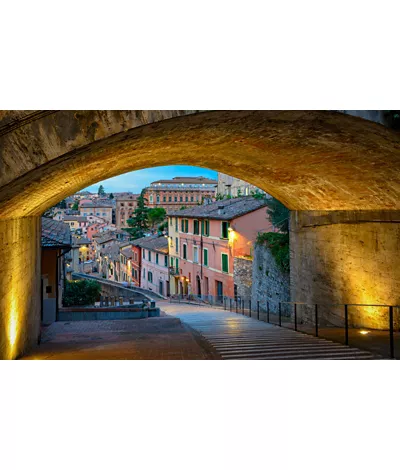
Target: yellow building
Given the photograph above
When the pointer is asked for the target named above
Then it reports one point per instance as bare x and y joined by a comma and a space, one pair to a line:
173, 252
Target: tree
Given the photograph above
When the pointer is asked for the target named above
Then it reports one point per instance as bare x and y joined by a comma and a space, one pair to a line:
84, 292
278, 214
111, 196
156, 216
62, 204
75, 207
101, 191
139, 223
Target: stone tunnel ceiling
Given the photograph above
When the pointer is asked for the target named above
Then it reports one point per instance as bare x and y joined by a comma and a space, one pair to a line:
310, 160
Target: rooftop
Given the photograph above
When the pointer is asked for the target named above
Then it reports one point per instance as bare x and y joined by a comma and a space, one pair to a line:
75, 218
222, 210
187, 180
80, 241
153, 243
97, 204
55, 234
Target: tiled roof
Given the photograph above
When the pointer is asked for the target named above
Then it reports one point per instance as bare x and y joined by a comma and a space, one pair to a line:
97, 204
127, 252
187, 180
106, 238
75, 218
153, 243
55, 234
80, 241
226, 209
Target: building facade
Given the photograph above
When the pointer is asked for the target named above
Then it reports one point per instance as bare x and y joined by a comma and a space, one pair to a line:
124, 209
210, 237
235, 187
99, 208
154, 264
180, 191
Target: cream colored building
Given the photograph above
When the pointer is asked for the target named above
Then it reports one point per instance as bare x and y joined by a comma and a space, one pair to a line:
173, 252
230, 186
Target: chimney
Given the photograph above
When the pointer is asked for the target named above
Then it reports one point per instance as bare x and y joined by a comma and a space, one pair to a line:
220, 209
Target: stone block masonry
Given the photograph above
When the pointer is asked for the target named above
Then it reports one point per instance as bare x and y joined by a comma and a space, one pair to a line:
242, 276
270, 283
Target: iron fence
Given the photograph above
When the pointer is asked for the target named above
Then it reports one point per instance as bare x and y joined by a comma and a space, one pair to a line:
374, 327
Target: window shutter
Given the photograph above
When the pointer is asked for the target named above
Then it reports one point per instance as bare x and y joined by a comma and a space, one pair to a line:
225, 263
205, 257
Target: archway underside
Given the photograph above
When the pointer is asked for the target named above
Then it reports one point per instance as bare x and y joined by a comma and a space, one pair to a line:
310, 160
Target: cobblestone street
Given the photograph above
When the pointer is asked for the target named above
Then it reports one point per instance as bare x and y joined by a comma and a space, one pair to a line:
151, 338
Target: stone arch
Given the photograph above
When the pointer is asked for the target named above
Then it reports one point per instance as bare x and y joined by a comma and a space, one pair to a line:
320, 164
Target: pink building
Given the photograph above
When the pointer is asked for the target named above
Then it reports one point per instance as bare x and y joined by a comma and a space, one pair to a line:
210, 237
154, 264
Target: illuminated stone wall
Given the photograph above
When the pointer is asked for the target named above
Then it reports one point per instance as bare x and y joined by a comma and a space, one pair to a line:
19, 286
347, 257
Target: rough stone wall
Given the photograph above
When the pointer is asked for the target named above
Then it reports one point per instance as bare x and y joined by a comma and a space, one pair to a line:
242, 276
348, 257
269, 282
20, 304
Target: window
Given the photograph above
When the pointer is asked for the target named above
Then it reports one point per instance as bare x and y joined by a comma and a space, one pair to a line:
158, 199
144, 254
224, 229
191, 198
149, 255
176, 224
170, 221
150, 276
181, 199
165, 260
144, 273
156, 258
177, 264
225, 265
104, 213
172, 261
205, 257
205, 227
164, 198
151, 199
195, 254
169, 199
175, 199
176, 245
186, 199
184, 251
195, 227
185, 225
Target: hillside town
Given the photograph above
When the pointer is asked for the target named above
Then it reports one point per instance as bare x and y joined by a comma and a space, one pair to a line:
178, 237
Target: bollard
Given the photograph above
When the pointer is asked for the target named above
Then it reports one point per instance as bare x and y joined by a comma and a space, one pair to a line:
131, 300
121, 301
112, 301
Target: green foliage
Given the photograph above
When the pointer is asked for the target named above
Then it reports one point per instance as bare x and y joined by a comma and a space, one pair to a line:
75, 207
111, 196
84, 292
62, 204
257, 195
278, 214
182, 208
156, 215
101, 191
162, 227
219, 197
278, 243
139, 223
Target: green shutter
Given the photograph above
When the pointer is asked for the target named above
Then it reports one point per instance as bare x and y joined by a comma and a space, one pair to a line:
184, 251
205, 257
156, 258
182, 225
186, 226
225, 268
177, 263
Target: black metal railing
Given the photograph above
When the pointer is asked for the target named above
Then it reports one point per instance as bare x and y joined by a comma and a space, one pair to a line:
373, 327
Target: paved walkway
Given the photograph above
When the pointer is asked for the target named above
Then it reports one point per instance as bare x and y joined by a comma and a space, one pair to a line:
150, 338
236, 336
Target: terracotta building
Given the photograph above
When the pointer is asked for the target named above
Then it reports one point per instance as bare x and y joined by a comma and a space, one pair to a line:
125, 206
204, 240
180, 191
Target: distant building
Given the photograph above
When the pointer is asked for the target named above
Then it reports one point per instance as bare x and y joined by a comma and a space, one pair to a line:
204, 240
235, 187
99, 208
179, 191
56, 243
125, 207
76, 223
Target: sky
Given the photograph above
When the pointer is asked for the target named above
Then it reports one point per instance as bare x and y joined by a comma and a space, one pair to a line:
135, 181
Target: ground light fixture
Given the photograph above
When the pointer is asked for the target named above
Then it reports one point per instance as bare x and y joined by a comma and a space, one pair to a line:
363, 332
